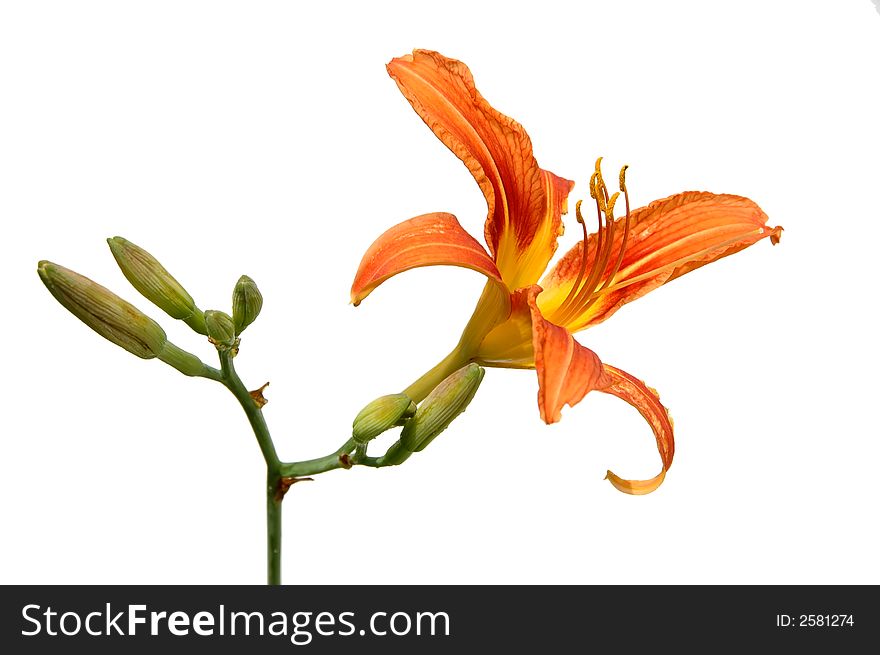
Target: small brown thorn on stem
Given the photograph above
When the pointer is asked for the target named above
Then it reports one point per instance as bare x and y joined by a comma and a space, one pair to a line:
345, 461
286, 483
259, 399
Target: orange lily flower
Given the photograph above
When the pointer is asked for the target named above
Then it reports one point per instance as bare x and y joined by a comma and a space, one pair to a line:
519, 322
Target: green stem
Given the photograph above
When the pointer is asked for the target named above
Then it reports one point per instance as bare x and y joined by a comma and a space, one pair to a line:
279, 474
274, 495
273, 529
251, 410
212, 373
374, 462
319, 464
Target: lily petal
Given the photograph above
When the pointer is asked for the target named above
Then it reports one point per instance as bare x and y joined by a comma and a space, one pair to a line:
566, 370
427, 240
636, 487
667, 239
525, 202
647, 401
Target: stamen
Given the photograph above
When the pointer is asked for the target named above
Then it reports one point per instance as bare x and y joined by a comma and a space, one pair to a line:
577, 291
582, 296
573, 292
600, 230
580, 276
626, 224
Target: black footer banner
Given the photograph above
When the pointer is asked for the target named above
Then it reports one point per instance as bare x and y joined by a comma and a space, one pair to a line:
391, 619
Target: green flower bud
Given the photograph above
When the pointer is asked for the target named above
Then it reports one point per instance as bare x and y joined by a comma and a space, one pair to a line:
449, 399
395, 455
382, 414
221, 329
185, 362
156, 284
102, 310
247, 301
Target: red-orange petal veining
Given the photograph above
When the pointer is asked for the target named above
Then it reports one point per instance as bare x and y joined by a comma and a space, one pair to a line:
667, 239
525, 202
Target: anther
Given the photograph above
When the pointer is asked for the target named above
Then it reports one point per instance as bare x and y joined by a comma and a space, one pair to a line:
622, 251
609, 207
577, 211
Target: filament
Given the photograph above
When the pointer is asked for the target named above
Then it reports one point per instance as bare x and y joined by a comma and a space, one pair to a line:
584, 292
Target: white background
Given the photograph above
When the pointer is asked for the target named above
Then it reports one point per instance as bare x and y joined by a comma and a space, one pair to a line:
267, 139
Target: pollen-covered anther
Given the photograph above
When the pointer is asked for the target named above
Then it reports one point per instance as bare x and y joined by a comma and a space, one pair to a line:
609, 207
599, 181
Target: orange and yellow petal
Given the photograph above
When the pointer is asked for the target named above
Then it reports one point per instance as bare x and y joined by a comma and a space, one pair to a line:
667, 239
647, 401
509, 344
636, 487
525, 202
427, 240
566, 370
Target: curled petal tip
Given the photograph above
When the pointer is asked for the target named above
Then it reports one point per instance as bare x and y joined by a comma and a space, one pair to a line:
356, 296
776, 235
636, 487
647, 402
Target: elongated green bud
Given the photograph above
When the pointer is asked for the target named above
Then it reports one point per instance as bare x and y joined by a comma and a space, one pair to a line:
449, 399
247, 301
382, 414
396, 454
221, 329
102, 310
185, 362
155, 283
